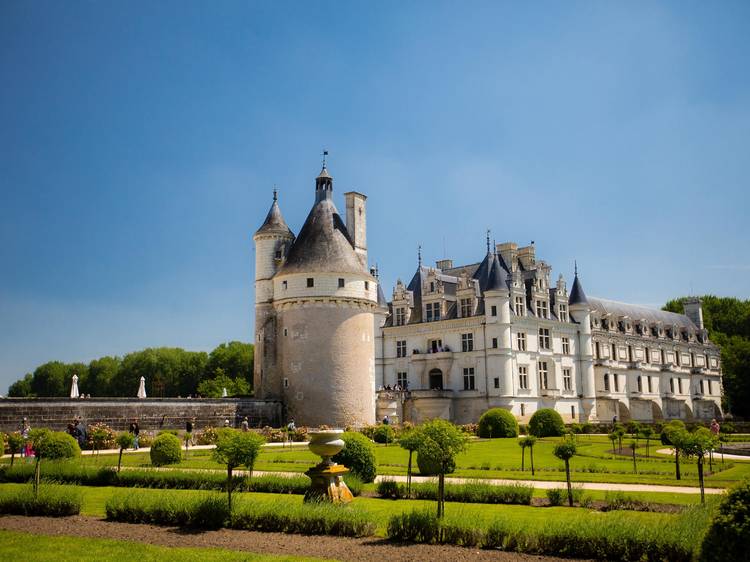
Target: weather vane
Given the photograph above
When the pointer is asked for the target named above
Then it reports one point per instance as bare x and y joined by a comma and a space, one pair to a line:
325, 154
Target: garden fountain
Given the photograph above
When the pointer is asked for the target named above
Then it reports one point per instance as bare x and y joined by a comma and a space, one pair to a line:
327, 477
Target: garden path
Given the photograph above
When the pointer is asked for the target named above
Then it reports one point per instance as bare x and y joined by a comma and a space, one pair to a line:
727, 456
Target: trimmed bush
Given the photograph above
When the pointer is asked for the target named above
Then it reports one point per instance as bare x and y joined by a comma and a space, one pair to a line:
390, 489
497, 422
546, 422
476, 492
358, 456
384, 434
729, 535
53, 445
673, 426
166, 449
556, 496
50, 501
205, 511
428, 467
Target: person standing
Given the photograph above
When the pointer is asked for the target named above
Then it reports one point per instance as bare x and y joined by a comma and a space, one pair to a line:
245, 424
715, 429
25, 428
135, 430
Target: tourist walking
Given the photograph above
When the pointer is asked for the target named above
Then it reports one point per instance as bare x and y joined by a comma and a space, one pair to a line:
715, 429
135, 430
25, 429
189, 431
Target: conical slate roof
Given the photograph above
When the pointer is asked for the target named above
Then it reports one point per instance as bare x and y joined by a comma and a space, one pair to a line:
484, 272
497, 276
381, 297
577, 296
323, 244
274, 223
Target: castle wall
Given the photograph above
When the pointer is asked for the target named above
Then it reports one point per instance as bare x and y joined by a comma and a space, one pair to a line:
327, 363
151, 413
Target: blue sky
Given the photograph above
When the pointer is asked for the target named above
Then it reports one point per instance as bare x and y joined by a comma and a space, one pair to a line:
139, 143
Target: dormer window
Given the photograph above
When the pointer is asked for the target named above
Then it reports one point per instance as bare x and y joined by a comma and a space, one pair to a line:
432, 312
520, 307
541, 308
563, 315
400, 316
467, 307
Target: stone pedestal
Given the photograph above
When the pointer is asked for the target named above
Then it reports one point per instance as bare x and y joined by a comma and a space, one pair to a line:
327, 484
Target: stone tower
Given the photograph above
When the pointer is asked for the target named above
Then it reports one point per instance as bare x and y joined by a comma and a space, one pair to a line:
317, 330
272, 241
580, 310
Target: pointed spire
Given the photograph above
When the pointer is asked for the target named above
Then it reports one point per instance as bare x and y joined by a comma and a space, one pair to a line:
274, 222
577, 296
496, 279
324, 182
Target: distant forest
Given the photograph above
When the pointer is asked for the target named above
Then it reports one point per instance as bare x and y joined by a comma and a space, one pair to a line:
728, 323
169, 372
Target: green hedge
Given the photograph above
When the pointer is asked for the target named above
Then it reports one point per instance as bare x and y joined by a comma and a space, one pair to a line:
546, 422
728, 538
50, 501
497, 422
166, 449
470, 492
209, 511
358, 456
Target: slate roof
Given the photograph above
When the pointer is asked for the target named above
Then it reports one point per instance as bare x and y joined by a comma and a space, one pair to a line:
274, 223
498, 275
638, 312
577, 296
323, 245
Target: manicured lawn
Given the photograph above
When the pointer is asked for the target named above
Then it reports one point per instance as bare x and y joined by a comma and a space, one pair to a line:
42, 548
96, 497
499, 458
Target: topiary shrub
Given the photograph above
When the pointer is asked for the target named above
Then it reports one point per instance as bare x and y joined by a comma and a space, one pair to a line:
674, 425
497, 422
384, 434
428, 467
358, 456
546, 422
729, 534
58, 445
166, 449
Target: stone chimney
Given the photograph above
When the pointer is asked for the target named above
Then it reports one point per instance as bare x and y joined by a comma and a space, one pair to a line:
693, 309
444, 264
356, 223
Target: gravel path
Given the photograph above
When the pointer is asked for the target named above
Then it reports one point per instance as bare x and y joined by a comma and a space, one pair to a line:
344, 549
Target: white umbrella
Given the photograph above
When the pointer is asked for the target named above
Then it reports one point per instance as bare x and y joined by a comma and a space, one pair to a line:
142, 388
74, 387
224, 392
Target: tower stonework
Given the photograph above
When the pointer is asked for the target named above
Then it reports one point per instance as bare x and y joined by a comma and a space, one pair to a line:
315, 316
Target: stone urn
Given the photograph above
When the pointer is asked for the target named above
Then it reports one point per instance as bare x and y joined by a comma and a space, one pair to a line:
326, 443
327, 478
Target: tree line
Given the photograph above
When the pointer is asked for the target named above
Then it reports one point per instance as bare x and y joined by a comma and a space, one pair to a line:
728, 323
169, 372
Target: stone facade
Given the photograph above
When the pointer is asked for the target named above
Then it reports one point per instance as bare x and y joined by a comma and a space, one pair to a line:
457, 342
151, 413
316, 313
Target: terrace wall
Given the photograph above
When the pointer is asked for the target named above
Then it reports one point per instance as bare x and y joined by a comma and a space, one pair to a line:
151, 413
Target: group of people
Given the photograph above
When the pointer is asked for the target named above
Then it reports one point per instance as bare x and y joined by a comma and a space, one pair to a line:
396, 387
78, 431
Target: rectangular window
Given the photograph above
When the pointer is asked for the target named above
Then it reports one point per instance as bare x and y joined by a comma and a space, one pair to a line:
521, 340
523, 377
286, 382
614, 352
646, 355
367, 285
648, 383
573, 412
401, 348
541, 309
597, 350
567, 380
467, 342
284, 285
606, 382
701, 386
466, 308
310, 282
710, 389
436, 346
494, 310
616, 380
679, 386
433, 311
671, 386
286, 331
497, 382
563, 313
544, 339
400, 316
640, 384
523, 409
402, 380
520, 306
543, 374
566, 346
469, 378
341, 282
494, 343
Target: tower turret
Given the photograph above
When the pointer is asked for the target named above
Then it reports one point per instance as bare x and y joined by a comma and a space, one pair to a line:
272, 241
580, 311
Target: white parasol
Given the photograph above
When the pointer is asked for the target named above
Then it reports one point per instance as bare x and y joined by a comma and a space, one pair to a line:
142, 388
74, 387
